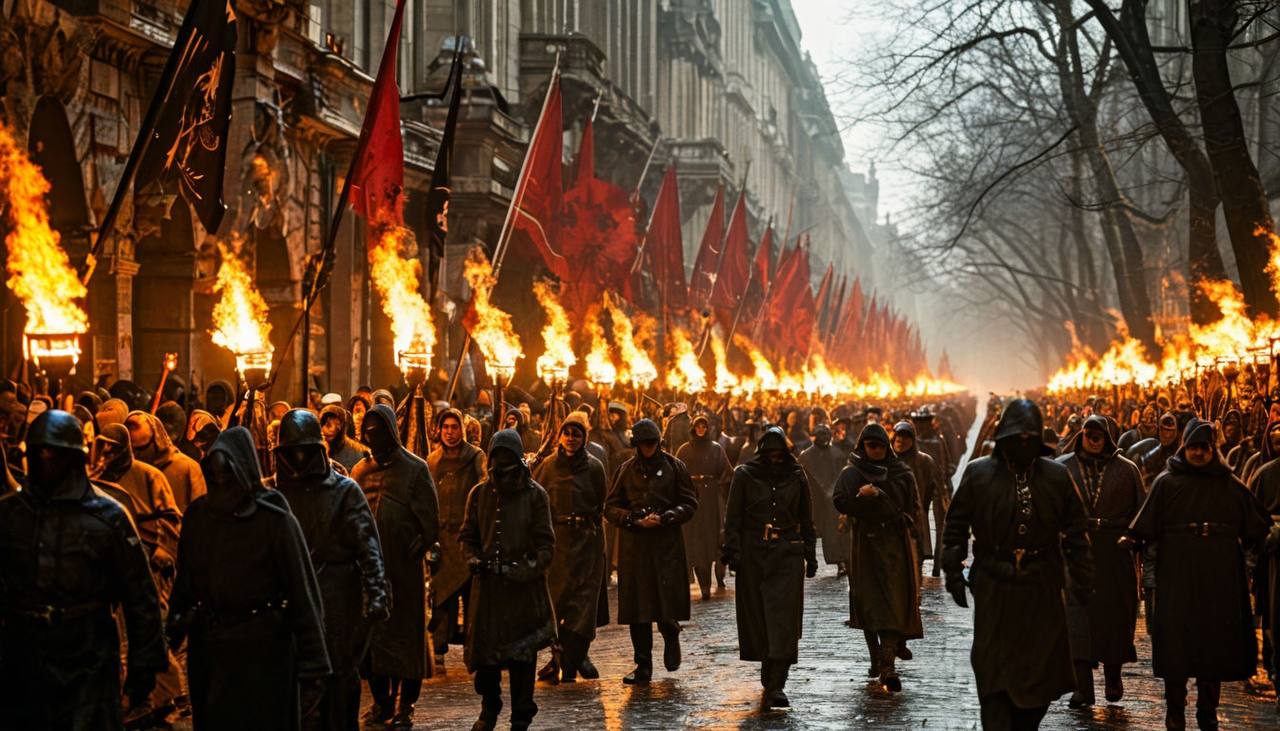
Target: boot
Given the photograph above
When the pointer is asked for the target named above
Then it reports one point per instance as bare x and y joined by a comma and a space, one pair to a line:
376, 715
903, 652
873, 649
777, 698
402, 719
1115, 683
642, 653
640, 676
670, 647
1208, 693
1175, 704
888, 673
484, 723
550, 673
588, 670
1083, 696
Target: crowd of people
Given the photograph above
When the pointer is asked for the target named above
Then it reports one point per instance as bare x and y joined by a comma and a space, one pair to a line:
252, 564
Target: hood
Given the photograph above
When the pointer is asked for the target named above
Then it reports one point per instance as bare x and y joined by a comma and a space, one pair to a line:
1096, 421
1198, 431
645, 430
233, 495
358, 398
89, 400
693, 435
336, 411
906, 428
174, 418
383, 396
163, 445
773, 438
387, 417
509, 440
455, 413
112, 411
822, 435
521, 419
1020, 416
578, 419
299, 428
759, 466
116, 438
1268, 453
873, 432
200, 420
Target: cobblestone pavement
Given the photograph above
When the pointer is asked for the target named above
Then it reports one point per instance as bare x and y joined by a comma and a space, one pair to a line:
828, 688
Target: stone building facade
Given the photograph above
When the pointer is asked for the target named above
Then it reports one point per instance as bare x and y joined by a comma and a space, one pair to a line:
720, 88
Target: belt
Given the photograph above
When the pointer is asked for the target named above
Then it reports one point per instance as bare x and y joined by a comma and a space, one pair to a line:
1017, 556
49, 614
575, 520
774, 534
1097, 524
232, 616
703, 477
1204, 530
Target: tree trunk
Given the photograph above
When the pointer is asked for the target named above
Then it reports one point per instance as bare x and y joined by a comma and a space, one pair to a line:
1243, 199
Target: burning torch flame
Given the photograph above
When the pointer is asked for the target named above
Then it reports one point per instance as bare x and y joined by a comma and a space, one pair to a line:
492, 332
240, 315
600, 368
637, 368
40, 274
397, 280
685, 374
557, 336
726, 381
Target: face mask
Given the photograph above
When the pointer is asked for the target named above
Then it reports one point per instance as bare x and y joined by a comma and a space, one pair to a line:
47, 473
1021, 451
379, 440
822, 440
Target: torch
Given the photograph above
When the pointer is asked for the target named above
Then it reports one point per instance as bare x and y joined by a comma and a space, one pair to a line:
254, 369
414, 366
54, 355
503, 372
604, 385
555, 374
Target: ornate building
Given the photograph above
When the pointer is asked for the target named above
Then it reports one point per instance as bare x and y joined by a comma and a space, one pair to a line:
720, 88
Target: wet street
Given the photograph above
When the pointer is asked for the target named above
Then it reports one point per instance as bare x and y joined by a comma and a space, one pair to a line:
828, 688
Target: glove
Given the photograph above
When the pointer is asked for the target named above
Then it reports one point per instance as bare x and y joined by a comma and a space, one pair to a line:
310, 693
376, 609
955, 587
475, 566
670, 517
810, 567
138, 687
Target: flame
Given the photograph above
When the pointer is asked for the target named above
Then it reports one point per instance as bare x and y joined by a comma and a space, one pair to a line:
492, 331
240, 314
397, 280
557, 336
40, 274
600, 368
637, 367
765, 378
726, 381
685, 375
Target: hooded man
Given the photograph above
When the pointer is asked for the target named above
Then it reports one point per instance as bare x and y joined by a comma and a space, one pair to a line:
822, 463
346, 554
576, 487
151, 444
246, 598
651, 497
930, 489
679, 427
517, 418
456, 467
1265, 485
509, 539
1026, 517
1148, 423
402, 496
711, 472
1200, 518
70, 555
342, 449
202, 429
159, 519
770, 543
878, 492
1102, 631
1152, 457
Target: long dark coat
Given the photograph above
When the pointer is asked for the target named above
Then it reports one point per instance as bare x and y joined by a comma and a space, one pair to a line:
930, 486
576, 487
509, 616
78, 551
402, 496
710, 471
345, 552
1265, 486
1020, 644
247, 595
653, 579
822, 464
883, 564
769, 594
454, 474
1102, 631
1202, 625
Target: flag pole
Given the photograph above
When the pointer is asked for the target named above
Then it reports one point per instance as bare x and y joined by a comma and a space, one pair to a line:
504, 238
706, 332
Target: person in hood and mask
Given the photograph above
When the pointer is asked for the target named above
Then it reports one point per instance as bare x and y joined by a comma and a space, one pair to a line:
1102, 631
651, 497
878, 493
71, 554
576, 485
1148, 424
342, 449
930, 488
1026, 518
202, 430
509, 540
711, 472
1265, 485
770, 543
822, 463
456, 467
402, 496
1200, 519
346, 554
151, 444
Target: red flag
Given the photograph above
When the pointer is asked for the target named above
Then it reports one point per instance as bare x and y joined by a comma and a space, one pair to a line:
377, 173
664, 247
791, 307
764, 259
704, 266
835, 317
539, 195
734, 274
586, 165
752, 318
823, 299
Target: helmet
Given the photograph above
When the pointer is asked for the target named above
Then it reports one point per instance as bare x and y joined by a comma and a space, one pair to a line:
299, 428
58, 429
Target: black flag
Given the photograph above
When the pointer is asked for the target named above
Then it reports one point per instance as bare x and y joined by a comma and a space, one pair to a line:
438, 196
186, 146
